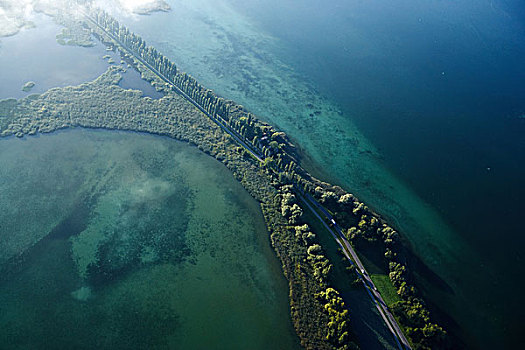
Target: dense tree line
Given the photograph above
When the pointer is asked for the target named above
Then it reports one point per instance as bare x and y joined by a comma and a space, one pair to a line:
272, 144
136, 44
319, 315
307, 269
303, 262
363, 225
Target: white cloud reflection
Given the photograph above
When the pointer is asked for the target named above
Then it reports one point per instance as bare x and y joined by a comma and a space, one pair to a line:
17, 14
133, 6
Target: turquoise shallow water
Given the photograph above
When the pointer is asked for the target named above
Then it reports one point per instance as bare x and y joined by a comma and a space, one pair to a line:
110, 240
414, 107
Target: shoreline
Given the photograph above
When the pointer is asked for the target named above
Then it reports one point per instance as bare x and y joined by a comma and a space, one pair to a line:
222, 227
295, 168
184, 123
259, 77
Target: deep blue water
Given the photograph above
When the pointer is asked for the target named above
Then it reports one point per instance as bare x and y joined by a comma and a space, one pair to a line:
439, 88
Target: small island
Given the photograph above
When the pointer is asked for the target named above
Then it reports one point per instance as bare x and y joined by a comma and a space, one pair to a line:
28, 86
152, 6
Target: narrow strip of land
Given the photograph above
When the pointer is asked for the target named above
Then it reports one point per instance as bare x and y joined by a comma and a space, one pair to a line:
353, 258
308, 200
218, 120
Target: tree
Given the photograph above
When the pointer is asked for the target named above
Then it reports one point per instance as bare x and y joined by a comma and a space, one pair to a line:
314, 249
288, 198
346, 200
296, 214
269, 162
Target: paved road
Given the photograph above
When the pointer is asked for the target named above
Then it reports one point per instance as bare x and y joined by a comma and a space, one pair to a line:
219, 121
306, 199
348, 251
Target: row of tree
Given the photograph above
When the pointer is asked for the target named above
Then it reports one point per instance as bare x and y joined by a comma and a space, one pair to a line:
363, 225
337, 318
135, 43
262, 136
281, 163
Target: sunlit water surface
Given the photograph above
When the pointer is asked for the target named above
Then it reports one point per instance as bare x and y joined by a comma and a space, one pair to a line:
33, 55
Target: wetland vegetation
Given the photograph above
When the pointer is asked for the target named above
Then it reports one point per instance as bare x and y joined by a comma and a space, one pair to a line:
104, 104
319, 314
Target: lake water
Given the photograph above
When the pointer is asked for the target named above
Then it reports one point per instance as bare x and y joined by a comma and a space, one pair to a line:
110, 240
34, 55
415, 107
